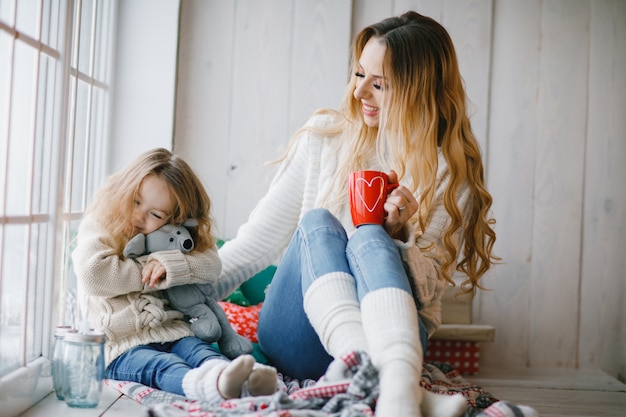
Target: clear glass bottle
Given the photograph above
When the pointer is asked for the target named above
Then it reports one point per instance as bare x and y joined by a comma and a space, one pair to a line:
57, 359
83, 369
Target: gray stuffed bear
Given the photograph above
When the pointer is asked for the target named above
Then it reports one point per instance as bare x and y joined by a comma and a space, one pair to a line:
197, 301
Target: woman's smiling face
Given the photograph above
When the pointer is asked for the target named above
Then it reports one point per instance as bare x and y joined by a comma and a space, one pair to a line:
370, 84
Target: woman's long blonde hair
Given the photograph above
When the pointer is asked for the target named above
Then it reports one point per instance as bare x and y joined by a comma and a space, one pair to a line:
424, 111
114, 203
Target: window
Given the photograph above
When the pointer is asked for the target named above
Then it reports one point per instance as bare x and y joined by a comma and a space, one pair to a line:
55, 72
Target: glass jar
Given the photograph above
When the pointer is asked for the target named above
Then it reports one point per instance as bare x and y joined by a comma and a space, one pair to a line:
83, 368
57, 359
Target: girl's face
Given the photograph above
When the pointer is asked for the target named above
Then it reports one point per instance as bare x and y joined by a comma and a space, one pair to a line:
153, 205
370, 84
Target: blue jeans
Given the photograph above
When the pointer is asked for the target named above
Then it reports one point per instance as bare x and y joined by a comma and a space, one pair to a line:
162, 365
320, 246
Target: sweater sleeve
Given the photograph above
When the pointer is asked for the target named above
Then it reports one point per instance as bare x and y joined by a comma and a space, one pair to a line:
426, 256
102, 272
267, 232
193, 268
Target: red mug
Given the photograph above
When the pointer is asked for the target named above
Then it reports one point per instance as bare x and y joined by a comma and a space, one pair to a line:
368, 192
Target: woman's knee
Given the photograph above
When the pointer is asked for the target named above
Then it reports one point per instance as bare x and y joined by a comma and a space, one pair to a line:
321, 227
319, 217
370, 235
375, 261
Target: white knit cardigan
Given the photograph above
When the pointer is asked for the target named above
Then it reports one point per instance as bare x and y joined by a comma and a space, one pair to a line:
299, 185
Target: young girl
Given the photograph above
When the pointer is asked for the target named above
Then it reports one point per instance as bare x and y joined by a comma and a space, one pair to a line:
373, 288
145, 341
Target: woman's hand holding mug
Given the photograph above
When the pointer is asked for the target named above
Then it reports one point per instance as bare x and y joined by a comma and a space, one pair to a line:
378, 198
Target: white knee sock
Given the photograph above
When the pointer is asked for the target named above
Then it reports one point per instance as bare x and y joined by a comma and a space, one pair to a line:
392, 330
332, 307
442, 405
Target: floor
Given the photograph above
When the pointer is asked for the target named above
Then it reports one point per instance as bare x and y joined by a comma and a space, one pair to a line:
553, 393
558, 393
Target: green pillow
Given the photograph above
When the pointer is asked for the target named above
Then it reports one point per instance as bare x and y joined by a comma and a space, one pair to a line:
256, 287
237, 297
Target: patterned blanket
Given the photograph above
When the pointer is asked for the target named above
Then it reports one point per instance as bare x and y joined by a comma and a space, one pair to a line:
353, 396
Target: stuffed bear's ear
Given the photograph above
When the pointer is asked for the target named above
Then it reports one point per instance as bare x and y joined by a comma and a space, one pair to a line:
190, 223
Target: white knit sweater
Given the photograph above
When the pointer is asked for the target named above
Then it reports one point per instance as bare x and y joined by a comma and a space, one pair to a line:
300, 184
128, 311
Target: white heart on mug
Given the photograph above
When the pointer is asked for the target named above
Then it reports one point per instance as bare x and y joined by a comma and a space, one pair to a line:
370, 184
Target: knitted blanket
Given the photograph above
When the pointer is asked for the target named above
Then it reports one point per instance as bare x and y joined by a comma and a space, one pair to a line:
352, 396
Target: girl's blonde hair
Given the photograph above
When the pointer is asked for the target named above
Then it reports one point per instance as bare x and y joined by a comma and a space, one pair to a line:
424, 110
114, 203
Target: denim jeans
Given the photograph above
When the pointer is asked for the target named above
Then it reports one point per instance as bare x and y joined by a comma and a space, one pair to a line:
162, 365
319, 246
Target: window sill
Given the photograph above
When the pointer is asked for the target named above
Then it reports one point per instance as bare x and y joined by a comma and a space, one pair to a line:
112, 404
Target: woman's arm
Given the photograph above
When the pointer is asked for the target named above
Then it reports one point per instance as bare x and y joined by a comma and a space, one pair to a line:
267, 232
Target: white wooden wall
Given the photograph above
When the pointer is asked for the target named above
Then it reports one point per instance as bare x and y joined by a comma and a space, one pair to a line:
547, 80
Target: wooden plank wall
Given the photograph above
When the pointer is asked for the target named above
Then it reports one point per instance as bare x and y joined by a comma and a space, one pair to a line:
548, 91
602, 333
250, 73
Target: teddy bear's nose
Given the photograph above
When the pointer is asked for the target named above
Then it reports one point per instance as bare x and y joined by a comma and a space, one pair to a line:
188, 244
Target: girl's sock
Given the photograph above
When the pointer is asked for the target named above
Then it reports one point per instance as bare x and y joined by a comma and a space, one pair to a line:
201, 383
245, 377
263, 380
217, 380
231, 379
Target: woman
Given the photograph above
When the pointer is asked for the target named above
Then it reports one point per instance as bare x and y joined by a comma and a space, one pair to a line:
375, 289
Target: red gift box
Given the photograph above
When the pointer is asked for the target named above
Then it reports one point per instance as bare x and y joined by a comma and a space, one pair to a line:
464, 356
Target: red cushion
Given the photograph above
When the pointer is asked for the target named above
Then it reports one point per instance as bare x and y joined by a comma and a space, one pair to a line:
243, 319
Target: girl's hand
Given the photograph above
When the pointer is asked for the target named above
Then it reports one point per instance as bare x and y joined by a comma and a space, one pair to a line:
152, 272
400, 206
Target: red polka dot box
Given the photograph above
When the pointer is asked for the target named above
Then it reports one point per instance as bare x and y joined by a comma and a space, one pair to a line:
458, 345
464, 356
